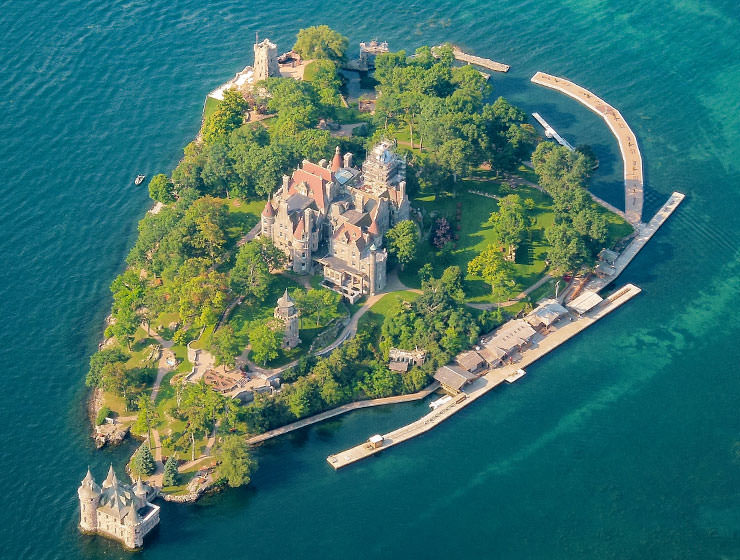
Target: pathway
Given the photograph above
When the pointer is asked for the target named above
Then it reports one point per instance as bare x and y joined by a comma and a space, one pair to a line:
516, 299
341, 410
633, 178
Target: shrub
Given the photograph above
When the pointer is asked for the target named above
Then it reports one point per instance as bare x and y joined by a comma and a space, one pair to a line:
103, 413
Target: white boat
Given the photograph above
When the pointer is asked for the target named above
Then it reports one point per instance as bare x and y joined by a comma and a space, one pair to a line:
139, 179
434, 405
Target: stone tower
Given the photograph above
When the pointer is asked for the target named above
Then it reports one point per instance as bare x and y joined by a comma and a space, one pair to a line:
288, 314
265, 61
372, 268
89, 494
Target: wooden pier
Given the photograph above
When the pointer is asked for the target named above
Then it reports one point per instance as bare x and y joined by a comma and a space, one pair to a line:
488, 381
633, 177
462, 56
550, 132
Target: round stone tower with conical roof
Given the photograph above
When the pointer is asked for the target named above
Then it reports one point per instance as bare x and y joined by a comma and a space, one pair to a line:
268, 220
287, 313
89, 493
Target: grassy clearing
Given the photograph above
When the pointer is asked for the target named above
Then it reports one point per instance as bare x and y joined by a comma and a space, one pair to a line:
388, 305
474, 234
243, 216
210, 106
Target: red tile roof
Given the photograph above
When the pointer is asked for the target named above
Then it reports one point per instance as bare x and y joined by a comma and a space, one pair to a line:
316, 184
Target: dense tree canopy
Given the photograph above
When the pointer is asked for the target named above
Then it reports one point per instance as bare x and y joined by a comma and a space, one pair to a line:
402, 240
321, 41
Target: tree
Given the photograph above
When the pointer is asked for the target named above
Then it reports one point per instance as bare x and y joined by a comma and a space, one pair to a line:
142, 463
99, 360
171, 474
326, 80
251, 273
494, 269
509, 222
193, 408
225, 346
313, 302
228, 116
265, 339
402, 239
567, 249
203, 298
114, 377
146, 418
320, 41
236, 465
160, 189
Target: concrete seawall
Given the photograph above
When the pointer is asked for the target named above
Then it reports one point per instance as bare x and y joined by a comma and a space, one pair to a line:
633, 175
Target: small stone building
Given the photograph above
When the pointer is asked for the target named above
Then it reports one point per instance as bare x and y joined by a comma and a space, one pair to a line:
368, 52
118, 511
286, 312
265, 61
472, 361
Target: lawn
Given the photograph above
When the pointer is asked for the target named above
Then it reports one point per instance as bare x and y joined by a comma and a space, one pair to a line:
388, 305
244, 215
474, 234
210, 106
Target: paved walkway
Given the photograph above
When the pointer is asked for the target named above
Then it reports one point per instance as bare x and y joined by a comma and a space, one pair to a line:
633, 178
519, 297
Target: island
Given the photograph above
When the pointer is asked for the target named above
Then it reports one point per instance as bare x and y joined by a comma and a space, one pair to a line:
345, 233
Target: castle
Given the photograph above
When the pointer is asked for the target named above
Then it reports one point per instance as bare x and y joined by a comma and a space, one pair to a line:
117, 510
334, 215
265, 61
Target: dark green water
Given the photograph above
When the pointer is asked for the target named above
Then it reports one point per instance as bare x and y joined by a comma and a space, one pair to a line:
623, 444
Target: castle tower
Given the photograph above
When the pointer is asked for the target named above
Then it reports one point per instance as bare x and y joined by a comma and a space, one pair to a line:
288, 314
111, 479
371, 271
89, 494
308, 247
268, 220
265, 61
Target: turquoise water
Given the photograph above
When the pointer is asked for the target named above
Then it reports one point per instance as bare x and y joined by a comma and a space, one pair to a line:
624, 444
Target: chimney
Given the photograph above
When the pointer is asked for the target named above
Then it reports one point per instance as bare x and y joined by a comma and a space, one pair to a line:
348, 159
402, 188
286, 181
322, 162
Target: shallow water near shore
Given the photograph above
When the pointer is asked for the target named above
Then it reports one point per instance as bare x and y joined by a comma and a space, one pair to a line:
624, 443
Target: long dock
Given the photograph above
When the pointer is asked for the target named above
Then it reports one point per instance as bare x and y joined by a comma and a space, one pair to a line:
643, 235
633, 175
550, 132
541, 346
462, 56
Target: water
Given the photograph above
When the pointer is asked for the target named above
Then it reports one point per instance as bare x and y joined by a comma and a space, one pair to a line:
625, 443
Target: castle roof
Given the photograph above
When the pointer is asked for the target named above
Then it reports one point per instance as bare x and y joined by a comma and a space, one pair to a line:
111, 479
285, 300
374, 229
88, 487
316, 169
315, 182
300, 229
269, 211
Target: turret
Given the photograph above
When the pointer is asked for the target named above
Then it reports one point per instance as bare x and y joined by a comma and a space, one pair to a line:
89, 494
140, 491
111, 479
307, 218
336, 163
347, 160
268, 220
288, 314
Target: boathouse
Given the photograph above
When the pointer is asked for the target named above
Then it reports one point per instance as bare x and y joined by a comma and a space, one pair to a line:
453, 378
546, 314
510, 338
472, 361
